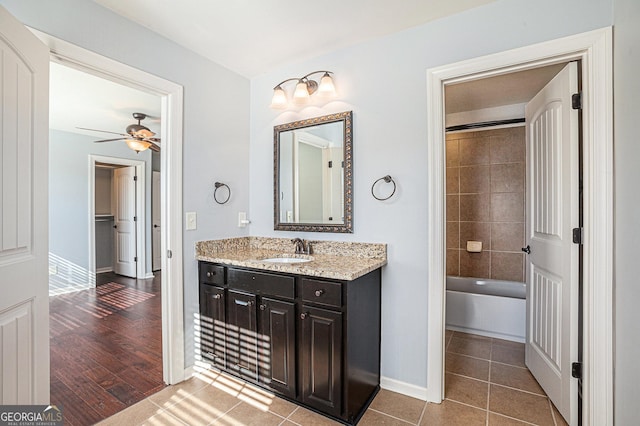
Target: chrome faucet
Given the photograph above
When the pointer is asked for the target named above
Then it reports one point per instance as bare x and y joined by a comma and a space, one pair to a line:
301, 246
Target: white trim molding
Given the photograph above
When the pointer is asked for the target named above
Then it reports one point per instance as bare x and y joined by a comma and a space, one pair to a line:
172, 286
594, 49
141, 225
403, 387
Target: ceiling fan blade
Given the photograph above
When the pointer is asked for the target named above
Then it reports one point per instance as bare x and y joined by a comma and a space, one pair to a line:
103, 131
154, 147
109, 140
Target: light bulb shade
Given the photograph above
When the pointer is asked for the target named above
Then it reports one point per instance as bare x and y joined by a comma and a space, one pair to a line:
301, 94
137, 145
279, 99
326, 88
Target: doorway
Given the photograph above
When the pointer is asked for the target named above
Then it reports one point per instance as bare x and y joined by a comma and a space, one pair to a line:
504, 193
594, 50
171, 96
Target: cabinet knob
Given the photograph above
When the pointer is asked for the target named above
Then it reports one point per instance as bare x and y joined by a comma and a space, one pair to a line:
209, 274
319, 293
250, 303
263, 306
303, 315
217, 296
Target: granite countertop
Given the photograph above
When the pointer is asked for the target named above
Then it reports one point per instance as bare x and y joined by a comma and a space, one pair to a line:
329, 259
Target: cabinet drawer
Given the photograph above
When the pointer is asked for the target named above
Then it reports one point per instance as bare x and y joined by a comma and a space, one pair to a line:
261, 283
322, 292
211, 274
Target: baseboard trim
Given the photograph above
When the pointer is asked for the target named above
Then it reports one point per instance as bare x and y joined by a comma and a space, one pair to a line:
103, 270
149, 275
403, 388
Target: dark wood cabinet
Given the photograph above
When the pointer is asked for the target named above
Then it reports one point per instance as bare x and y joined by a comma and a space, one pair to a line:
213, 328
242, 334
321, 359
277, 345
314, 341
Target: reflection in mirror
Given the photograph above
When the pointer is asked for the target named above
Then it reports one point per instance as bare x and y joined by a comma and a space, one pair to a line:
312, 174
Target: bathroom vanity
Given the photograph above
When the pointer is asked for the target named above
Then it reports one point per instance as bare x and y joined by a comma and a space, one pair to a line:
308, 331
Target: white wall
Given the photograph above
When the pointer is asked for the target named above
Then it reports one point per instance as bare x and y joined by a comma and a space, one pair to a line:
216, 115
626, 35
69, 203
384, 83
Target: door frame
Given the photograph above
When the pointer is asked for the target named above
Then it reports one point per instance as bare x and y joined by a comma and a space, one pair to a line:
172, 286
595, 50
141, 222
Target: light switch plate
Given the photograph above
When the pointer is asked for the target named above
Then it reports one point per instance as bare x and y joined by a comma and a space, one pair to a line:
191, 220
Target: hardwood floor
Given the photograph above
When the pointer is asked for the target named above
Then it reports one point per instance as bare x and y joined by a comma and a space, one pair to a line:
106, 347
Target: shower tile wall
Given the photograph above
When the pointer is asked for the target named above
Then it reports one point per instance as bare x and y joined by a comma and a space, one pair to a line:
486, 202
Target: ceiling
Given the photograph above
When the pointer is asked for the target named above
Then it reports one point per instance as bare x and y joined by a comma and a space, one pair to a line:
508, 89
251, 37
78, 99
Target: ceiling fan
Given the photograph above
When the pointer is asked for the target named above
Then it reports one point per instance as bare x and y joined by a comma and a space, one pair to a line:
138, 137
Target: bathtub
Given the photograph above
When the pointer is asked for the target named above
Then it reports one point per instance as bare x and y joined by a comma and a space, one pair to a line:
490, 308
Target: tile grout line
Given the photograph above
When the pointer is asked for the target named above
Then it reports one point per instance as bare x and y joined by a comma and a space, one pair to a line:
394, 417
424, 410
489, 383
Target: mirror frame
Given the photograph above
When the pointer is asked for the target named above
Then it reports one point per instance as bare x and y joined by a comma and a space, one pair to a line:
347, 146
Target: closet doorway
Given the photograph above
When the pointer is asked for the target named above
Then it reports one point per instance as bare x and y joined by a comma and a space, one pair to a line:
119, 196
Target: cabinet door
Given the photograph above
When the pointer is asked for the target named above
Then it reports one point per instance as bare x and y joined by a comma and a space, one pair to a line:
242, 333
321, 363
212, 325
277, 346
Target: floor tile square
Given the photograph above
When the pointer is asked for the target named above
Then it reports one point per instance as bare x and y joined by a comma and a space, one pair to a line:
465, 390
520, 405
450, 413
467, 366
514, 377
398, 405
471, 347
508, 355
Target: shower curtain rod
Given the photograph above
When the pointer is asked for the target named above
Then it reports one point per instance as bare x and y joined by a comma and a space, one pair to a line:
484, 124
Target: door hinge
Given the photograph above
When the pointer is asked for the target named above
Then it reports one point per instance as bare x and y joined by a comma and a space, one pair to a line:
330, 164
576, 370
135, 178
169, 254
576, 100
577, 235
135, 259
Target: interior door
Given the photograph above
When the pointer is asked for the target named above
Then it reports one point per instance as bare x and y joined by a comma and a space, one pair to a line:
552, 265
156, 218
24, 300
125, 221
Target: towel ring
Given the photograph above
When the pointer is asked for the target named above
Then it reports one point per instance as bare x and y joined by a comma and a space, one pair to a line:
218, 185
387, 179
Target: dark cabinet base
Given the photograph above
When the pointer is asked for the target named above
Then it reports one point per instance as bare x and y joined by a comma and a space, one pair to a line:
312, 341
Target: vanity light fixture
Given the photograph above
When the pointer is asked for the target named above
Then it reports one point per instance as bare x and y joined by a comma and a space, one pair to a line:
304, 89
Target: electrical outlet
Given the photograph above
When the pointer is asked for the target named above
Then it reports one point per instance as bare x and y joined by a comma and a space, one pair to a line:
191, 220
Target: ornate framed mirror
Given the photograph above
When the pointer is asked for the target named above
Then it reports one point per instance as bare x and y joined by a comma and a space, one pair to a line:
313, 173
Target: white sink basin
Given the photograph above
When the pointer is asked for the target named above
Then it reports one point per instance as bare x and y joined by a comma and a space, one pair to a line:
286, 260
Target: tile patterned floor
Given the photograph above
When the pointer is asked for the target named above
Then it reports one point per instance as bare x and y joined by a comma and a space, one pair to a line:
486, 384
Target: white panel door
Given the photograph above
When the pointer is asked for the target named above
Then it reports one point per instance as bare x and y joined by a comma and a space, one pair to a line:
125, 221
552, 265
156, 219
24, 298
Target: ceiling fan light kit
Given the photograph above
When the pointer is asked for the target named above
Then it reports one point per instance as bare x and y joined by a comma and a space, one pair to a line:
138, 137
